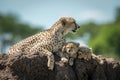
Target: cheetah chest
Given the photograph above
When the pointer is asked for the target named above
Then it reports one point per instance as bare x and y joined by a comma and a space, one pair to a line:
57, 44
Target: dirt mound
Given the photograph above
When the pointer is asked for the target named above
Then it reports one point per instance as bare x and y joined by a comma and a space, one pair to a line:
34, 67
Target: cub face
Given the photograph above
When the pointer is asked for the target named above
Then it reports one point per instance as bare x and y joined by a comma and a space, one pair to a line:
85, 53
71, 49
69, 25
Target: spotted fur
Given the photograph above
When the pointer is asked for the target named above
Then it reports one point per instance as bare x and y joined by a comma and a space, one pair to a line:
85, 53
69, 51
47, 41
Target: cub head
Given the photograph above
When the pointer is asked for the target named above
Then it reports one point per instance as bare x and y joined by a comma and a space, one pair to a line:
68, 25
85, 53
71, 49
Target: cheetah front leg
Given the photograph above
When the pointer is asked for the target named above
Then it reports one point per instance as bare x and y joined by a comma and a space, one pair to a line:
50, 56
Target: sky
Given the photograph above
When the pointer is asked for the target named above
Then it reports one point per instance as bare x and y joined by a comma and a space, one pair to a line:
47, 12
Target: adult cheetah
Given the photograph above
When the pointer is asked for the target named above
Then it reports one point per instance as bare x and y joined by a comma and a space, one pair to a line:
47, 41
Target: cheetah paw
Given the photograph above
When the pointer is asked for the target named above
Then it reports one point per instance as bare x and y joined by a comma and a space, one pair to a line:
50, 65
65, 60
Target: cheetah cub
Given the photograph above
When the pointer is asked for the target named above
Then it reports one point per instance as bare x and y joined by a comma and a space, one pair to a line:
85, 53
47, 41
69, 51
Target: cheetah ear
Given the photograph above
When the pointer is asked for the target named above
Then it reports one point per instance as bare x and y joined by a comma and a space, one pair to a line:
63, 22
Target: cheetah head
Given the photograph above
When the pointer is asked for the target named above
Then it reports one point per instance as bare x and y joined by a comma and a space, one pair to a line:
71, 49
68, 25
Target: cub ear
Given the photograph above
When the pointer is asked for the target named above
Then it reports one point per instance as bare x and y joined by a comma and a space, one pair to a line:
64, 48
78, 44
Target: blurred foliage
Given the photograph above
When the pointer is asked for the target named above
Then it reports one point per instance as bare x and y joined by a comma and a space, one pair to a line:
9, 23
17, 30
103, 38
117, 20
107, 40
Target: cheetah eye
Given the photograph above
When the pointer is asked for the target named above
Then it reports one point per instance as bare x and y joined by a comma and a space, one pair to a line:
70, 47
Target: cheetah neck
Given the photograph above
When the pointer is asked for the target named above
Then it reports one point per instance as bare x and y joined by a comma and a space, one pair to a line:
58, 30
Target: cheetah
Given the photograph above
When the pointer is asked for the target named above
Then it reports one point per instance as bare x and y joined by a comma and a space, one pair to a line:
69, 51
85, 53
48, 41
